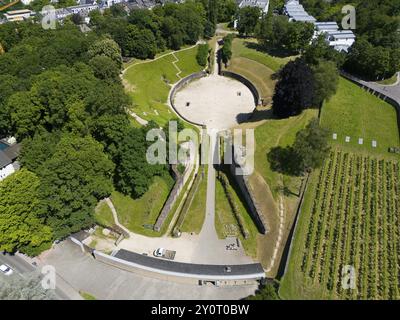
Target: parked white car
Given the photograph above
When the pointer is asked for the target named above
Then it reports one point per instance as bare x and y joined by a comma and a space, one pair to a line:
159, 252
6, 270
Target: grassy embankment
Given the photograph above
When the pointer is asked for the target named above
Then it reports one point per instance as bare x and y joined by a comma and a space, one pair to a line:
149, 83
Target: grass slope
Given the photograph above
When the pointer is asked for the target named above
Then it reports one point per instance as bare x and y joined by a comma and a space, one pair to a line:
225, 217
149, 83
257, 73
134, 213
249, 48
103, 215
355, 113
197, 211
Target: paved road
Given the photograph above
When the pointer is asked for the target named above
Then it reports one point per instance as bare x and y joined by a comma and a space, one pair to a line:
208, 230
22, 267
392, 91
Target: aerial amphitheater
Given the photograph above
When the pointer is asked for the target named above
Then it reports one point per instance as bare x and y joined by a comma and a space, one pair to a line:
200, 150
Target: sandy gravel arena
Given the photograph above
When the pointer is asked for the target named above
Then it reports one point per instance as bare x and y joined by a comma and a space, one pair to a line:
215, 101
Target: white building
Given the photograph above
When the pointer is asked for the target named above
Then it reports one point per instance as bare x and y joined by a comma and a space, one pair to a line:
295, 11
8, 165
340, 40
262, 4
83, 9
18, 15
109, 3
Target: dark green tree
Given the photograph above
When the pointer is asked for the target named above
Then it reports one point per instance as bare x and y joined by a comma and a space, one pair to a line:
140, 43
133, 173
311, 146
295, 89
73, 180
247, 20
104, 68
265, 292
326, 76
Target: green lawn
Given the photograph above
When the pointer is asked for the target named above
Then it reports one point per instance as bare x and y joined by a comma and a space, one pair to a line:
149, 83
134, 213
277, 132
103, 215
247, 48
225, 217
355, 113
196, 213
87, 296
187, 62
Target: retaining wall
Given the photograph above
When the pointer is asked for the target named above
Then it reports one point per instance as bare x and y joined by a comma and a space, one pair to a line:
246, 82
255, 211
181, 84
190, 274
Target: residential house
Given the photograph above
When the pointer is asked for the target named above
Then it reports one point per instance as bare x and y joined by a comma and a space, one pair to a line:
8, 156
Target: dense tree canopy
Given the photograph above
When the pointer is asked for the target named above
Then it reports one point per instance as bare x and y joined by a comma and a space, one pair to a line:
74, 178
144, 32
62, 97
133, 174
277, 32
372, 62
247, 19
376, 53
21, 219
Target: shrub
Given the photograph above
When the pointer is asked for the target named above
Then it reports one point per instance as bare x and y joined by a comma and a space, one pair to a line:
202, 54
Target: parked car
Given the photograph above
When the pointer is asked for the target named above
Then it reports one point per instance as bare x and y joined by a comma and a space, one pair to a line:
6, 270
164, 253
159, 252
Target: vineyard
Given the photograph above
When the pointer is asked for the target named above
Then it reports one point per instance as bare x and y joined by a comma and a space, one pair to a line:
352, 218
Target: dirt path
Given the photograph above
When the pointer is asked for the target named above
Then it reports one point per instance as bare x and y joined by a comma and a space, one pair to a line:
176, 66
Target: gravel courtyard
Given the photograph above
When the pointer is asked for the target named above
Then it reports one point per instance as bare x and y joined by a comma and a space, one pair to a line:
215, 101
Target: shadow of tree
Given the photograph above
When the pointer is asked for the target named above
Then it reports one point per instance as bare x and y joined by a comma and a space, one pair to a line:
255, 116
276, 52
